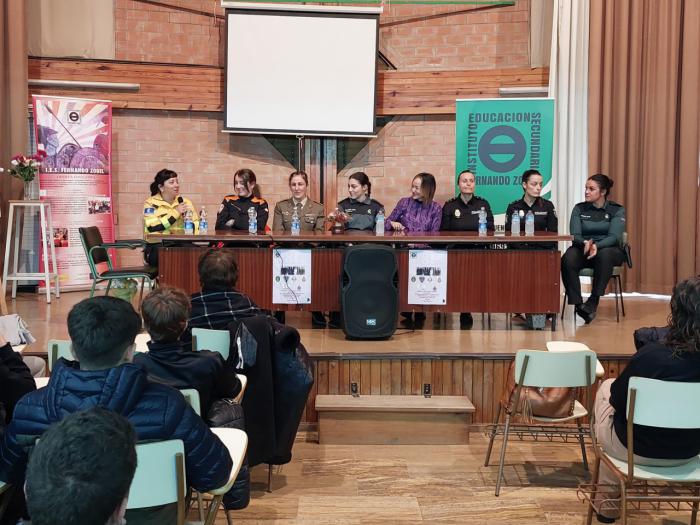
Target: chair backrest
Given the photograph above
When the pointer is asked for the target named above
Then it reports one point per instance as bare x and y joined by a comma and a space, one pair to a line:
653, 398
214, 340
90, 236
555, 369
160, 476
191, 395
565, 346
57, 348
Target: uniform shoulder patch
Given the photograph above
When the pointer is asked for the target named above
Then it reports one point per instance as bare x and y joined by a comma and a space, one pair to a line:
231, 198
258, 200
453, 199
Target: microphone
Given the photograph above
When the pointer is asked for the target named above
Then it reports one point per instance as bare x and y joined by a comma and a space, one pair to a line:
179, 199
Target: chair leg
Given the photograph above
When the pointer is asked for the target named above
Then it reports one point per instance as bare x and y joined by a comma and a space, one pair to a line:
503, 455
92, 290
229, 519
143, 283
563, 306
200, 506
492, 436
109, 285
213, 508
623, 504
269, 477
622, 300
583, 445
694, 514
596, 474
617, 308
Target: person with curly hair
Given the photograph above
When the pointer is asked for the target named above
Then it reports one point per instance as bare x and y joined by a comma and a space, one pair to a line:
676, 357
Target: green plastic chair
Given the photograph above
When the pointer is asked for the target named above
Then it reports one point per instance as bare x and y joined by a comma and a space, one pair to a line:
535, 368
616, 278
57, 348
160, 474
191, 395
214, 340
661, 404
4, 498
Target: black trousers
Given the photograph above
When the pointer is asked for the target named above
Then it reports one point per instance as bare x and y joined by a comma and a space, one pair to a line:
573, 261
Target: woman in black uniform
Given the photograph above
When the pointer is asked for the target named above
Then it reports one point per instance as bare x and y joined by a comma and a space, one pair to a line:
597, 226
233, 212
462, 214
542, 209
359, 206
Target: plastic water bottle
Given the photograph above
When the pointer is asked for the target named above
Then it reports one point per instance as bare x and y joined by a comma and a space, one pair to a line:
515, 224
203, 224
482, 222
296, 223
379, 227
252, 221
530, 223
189, 225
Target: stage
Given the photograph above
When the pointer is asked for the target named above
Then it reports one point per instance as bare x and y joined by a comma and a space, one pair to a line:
472, 362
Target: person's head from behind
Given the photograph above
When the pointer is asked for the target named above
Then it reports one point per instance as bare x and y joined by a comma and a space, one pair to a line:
102, 332
217, 270
423, 187
165, 313
532, 183
684, 320
80, 470
245, 183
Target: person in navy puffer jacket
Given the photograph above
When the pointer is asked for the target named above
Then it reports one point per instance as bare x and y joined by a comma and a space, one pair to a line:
102, 330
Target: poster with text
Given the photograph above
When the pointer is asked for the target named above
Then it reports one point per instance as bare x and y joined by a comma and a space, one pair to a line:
427, 277
291, 276
76, 177
497, 140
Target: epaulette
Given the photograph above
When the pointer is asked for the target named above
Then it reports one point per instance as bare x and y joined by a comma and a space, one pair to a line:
231, 198
613, 203
258, 200
452, 199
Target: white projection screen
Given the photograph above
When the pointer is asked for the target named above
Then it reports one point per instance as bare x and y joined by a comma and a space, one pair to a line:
301, 70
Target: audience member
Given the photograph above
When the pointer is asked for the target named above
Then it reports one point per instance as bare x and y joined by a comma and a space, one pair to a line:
81, 469
165, 311
675, 358
15, 380
219, 302
102, 330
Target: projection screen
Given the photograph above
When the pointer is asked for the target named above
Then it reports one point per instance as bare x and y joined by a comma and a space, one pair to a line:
301, 70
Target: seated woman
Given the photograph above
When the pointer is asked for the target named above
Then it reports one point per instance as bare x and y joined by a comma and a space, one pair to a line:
311, 218
462, 214
233, 212
417, 213
597, 226
164, 211
165, 313
310, 212
542, 209
359, 206
675, 358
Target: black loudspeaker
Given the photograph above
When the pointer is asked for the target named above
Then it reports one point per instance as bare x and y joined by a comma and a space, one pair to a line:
369, 293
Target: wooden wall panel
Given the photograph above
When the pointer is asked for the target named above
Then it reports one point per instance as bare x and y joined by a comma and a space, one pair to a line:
480, 378
201, 88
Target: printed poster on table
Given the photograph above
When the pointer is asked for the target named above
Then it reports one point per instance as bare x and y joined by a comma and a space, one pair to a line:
76, 176
427, 277
291, 276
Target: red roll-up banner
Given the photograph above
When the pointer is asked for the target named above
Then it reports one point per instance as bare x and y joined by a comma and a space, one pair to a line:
76, 177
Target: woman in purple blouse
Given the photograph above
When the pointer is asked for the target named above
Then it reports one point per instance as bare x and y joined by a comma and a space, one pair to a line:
417, 213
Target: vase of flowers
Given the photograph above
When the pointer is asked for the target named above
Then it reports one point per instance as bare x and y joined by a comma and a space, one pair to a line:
338, 218
25, 169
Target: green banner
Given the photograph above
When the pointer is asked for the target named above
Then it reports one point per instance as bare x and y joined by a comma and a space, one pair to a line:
499, 139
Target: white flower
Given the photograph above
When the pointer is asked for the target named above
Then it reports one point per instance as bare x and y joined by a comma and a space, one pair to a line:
14, 163
1, 170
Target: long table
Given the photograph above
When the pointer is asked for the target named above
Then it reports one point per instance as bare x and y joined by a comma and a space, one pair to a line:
518, 277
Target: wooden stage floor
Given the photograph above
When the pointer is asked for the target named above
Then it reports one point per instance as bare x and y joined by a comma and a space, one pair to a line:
604, 335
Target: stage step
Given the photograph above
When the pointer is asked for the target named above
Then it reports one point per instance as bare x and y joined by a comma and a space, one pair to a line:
393, 420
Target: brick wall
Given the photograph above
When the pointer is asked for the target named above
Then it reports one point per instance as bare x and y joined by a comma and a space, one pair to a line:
413, 37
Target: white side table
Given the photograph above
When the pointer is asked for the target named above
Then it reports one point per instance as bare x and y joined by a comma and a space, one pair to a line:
46, 247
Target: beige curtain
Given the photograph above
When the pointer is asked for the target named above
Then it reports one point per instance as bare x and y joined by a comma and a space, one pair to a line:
71, 28
541, 14
13, 101
644, 129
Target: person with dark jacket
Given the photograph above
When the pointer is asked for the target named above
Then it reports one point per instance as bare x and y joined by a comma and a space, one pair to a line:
462, 212
233, 212
597, 226
676, 358
15, 380
102, 331
165, 311
219, 302
359, 206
